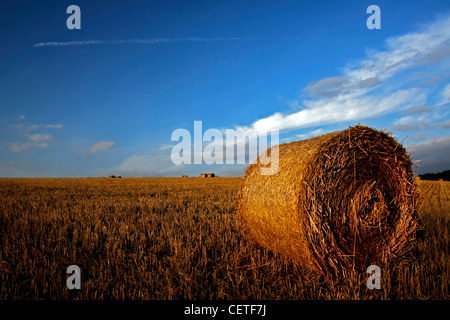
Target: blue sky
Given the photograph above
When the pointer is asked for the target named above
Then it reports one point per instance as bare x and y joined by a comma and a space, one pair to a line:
105, 99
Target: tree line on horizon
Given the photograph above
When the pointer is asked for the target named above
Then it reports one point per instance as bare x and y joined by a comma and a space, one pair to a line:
444, 175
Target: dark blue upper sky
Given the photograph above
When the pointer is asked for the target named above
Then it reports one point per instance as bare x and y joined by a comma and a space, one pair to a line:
106, 98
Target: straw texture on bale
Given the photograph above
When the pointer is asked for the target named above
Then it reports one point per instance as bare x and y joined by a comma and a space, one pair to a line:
340, 201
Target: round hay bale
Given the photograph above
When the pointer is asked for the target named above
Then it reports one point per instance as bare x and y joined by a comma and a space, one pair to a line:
340, 201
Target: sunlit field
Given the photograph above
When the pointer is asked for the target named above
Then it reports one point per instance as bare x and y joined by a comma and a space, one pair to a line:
178, 238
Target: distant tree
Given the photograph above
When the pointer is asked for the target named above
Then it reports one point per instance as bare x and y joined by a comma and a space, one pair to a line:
444, 175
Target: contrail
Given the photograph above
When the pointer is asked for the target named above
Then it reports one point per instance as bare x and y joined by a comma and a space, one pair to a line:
136, 41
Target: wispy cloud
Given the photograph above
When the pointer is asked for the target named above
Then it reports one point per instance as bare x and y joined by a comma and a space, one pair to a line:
35, 141
18, 147
137, 41
101, 146
311, 134
365, 90
37, 137
53, 126
30, 127
32, 140
411, 124
424, 117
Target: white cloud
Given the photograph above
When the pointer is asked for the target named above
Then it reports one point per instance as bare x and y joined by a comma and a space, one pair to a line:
352, 96
31, 127
53, 126
33, 140
101, 146
337, 109
365, 90
311, 134
445, 94
36, 137
166, 147
18, 147
36, 141
405, 51
419, 119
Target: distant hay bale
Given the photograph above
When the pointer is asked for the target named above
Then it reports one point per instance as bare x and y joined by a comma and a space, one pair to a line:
441, 179
111, 176
184, 176
207, 175
340, 201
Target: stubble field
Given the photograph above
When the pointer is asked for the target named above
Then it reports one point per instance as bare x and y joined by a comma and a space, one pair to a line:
178, 238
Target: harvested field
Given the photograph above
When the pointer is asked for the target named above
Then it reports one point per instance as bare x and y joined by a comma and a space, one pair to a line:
175, 238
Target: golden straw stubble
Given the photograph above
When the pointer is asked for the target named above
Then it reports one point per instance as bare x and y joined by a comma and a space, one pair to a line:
340, 201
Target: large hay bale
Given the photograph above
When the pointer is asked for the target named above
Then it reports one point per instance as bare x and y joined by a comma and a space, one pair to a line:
340, 201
